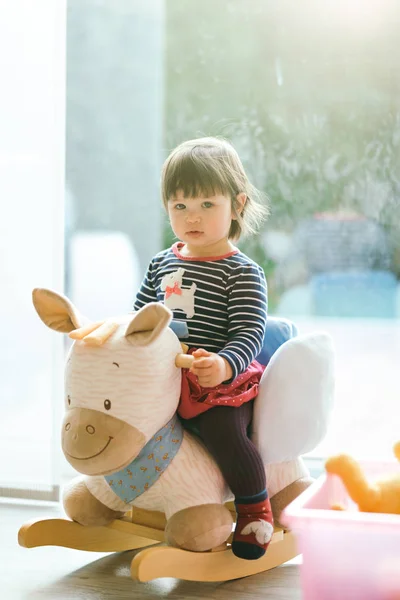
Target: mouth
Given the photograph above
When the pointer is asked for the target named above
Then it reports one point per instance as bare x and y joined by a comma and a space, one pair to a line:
194, 233
93, 455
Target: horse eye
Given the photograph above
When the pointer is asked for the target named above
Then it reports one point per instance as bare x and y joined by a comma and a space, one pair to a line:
107, 404
69, 400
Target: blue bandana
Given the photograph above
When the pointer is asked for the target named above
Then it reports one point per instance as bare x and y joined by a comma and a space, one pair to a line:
150, 463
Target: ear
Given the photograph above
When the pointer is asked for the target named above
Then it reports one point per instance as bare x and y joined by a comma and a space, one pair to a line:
56, 311
148, 323
241, 200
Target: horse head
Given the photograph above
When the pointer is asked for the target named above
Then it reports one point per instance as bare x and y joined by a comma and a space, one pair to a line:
121, 381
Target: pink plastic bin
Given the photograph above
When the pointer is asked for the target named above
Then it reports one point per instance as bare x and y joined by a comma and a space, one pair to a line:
347, 555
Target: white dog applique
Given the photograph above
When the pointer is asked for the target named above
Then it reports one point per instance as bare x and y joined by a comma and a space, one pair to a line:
262, 529
175, 296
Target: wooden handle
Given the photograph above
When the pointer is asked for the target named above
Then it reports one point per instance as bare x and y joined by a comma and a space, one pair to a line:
184, 361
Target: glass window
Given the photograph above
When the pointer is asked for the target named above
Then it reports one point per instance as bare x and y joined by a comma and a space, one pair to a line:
308, 92
32, 142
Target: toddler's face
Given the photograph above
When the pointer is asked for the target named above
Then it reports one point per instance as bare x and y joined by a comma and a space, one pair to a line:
201, 222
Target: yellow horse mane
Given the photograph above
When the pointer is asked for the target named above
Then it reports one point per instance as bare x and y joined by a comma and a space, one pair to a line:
94, 334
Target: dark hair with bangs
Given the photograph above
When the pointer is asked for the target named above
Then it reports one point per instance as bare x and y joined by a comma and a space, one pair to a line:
208, 166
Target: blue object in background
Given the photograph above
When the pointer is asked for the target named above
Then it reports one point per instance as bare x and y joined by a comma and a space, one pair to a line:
356, 294
278, 331
180, 329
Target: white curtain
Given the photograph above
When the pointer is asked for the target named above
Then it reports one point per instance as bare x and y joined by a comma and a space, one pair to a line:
32, 134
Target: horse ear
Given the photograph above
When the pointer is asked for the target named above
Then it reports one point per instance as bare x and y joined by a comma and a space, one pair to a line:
148, 324
56, 311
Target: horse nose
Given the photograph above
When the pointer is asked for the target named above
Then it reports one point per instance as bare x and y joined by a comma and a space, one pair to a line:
89, 428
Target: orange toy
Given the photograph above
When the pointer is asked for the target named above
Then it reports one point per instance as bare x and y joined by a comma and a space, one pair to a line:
381, 496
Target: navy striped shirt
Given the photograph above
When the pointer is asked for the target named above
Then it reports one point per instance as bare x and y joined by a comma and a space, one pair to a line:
223, 301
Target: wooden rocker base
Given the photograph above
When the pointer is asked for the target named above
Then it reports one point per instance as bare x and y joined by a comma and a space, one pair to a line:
164, 561
141, 529
118, 536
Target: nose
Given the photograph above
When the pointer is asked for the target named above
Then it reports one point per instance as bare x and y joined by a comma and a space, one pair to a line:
192, 217
89, 428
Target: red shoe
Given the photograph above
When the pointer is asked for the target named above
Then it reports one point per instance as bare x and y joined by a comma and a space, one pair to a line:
254, 529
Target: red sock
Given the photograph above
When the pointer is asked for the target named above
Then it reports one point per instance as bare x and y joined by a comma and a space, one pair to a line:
254, 529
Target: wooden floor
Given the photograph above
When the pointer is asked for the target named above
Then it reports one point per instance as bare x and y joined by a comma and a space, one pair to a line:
63, 574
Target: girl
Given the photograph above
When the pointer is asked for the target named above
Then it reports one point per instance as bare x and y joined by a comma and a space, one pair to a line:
221, 294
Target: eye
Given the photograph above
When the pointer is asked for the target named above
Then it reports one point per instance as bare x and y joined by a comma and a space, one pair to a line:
107, 404
207, 204
69, 400
180, 206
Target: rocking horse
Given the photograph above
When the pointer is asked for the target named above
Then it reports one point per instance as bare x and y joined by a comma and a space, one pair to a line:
147, 482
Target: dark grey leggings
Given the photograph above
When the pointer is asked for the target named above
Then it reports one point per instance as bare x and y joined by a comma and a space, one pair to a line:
223, 430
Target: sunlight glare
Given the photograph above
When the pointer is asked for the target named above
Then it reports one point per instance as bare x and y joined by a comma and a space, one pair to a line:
359, 15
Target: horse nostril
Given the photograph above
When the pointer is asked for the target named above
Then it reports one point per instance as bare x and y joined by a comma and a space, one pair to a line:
68, 426
90, 429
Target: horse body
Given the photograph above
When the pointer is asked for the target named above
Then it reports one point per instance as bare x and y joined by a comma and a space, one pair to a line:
121, 387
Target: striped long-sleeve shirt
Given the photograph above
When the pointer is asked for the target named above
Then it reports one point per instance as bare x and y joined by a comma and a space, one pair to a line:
223, 301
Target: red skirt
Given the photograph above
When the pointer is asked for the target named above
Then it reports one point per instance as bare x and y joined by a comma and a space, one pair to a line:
196, 399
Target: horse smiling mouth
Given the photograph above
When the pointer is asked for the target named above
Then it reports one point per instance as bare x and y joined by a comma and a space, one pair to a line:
93, 455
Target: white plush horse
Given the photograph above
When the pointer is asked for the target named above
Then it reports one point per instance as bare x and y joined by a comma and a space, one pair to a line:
122, 387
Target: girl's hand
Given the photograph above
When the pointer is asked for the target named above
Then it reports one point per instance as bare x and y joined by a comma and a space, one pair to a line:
210, 368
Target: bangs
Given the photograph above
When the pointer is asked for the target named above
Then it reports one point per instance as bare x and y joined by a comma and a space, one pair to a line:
196, 175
